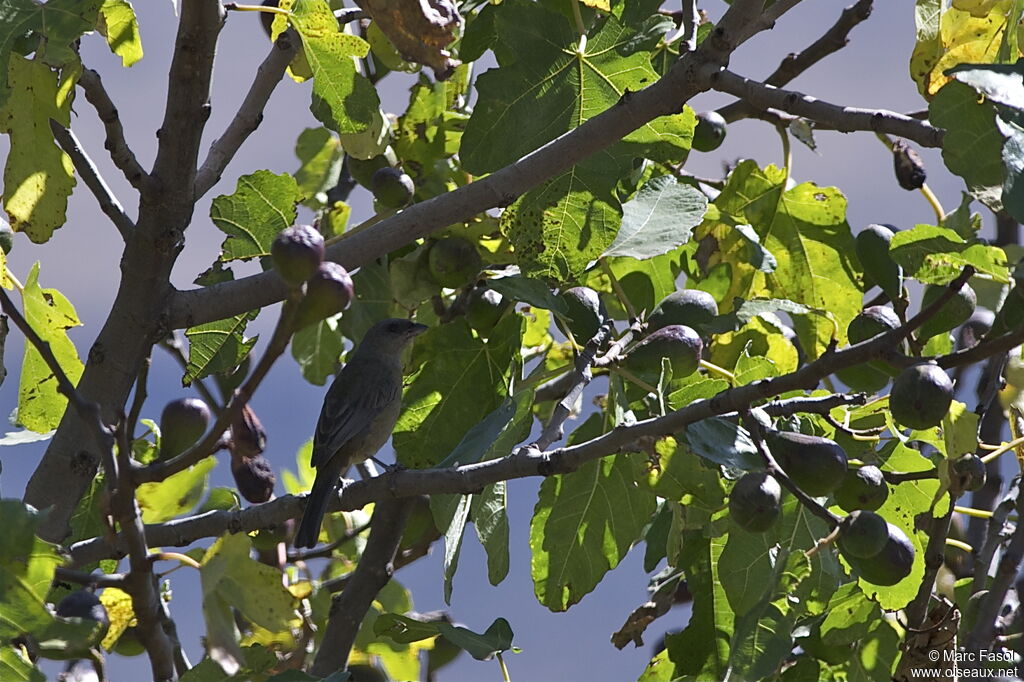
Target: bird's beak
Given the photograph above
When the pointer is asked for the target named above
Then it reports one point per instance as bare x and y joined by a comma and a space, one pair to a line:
417, 329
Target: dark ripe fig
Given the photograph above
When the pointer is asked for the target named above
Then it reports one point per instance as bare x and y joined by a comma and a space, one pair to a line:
328, 292
872, 246
585, 311
908, 166
709, 133
863, 488
391, 187
817, 465
976, 326
871, 322
970, 473
692, 307
248, 438
484, 308
362, 170
182, 423
453, 262
83, 604
921, 396
755, 501
6, 236
890, 565
297, 252
953, 312
677, 342
863, 534
254, 477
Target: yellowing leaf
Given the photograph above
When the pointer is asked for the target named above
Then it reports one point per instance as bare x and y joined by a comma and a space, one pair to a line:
121, 29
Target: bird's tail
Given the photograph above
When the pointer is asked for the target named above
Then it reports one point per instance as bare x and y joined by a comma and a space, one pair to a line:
316, 506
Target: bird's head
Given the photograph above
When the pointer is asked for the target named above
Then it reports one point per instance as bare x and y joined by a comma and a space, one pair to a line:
391, 336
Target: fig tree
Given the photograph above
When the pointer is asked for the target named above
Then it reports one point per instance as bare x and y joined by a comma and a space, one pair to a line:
484, 308
453, 262
863, 488
391, 187
709, 133
328, 292
755, 501
970, 472
921, 396
863, 534
816, 465
889, 566
585, 311
297, 252
953, 312
182, 423
677, 342
692, 307
872, 247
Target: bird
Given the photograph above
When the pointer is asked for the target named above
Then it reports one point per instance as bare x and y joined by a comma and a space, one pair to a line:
359, 412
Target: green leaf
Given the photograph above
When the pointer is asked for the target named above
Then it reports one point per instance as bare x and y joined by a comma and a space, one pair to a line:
584, 523
489, 511
452, 513
40, 405
343, 99
681, 476
720, 441
217, 346
960, 430
263, 204
531, 291
937, 255
317, 348
121, 29
27, 565
460, 380
15, 668
39, 176
175, 495
659, 218
496, 639
321, 155
849, 616
373, 302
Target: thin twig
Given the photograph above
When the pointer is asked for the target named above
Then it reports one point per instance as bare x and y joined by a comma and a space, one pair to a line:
934, 555
120, 153
140, 396
172, 344
71, 575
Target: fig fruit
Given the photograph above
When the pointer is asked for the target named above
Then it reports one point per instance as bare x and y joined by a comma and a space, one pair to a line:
6, 236
872, 247
863, 534
328, 292
254, 477
297, 252
976, 326
863, 378
755, 502
817, 465
863, 488
248, 438
871, 322
182, 423
484, 308
391, 187
692, 307
1014, 370
908, 166
585, 313
970, 472
677, 342
889, 566
709, 133
921, 396
453, 262
362, 170
953, 312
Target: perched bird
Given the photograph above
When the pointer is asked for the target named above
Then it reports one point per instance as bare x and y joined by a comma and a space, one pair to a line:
359, 412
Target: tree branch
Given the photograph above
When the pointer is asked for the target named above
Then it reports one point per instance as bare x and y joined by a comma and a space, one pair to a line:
120, 153
250, 113
109, 204
843, 119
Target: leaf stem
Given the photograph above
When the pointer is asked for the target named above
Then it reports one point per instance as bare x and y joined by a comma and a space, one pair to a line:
629, 376
620, 293
951, 542
580, 28
720, 371
501, 661
933, 201
1005, 447
234, 6
970, 511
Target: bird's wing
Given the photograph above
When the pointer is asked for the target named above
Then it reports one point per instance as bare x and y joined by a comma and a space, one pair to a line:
359, 393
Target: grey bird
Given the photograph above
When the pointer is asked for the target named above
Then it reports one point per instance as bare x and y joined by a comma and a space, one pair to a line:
359, 413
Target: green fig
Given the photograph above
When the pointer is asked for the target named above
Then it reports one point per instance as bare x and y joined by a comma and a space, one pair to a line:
863, 488
921, 396
328, 292
297, 252
872, 247
816, 465
709, 133
362, 170
889, 566
391, 187
871, 322
755, 502
863, 534
484, 308
453, 262
692, 307
970, 472
679, 343
182, 423
585, 313
953, 312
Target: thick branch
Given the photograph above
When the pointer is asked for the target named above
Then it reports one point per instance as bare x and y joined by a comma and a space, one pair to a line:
109, 204
250, 113
843, 119
120, 153
372, 573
